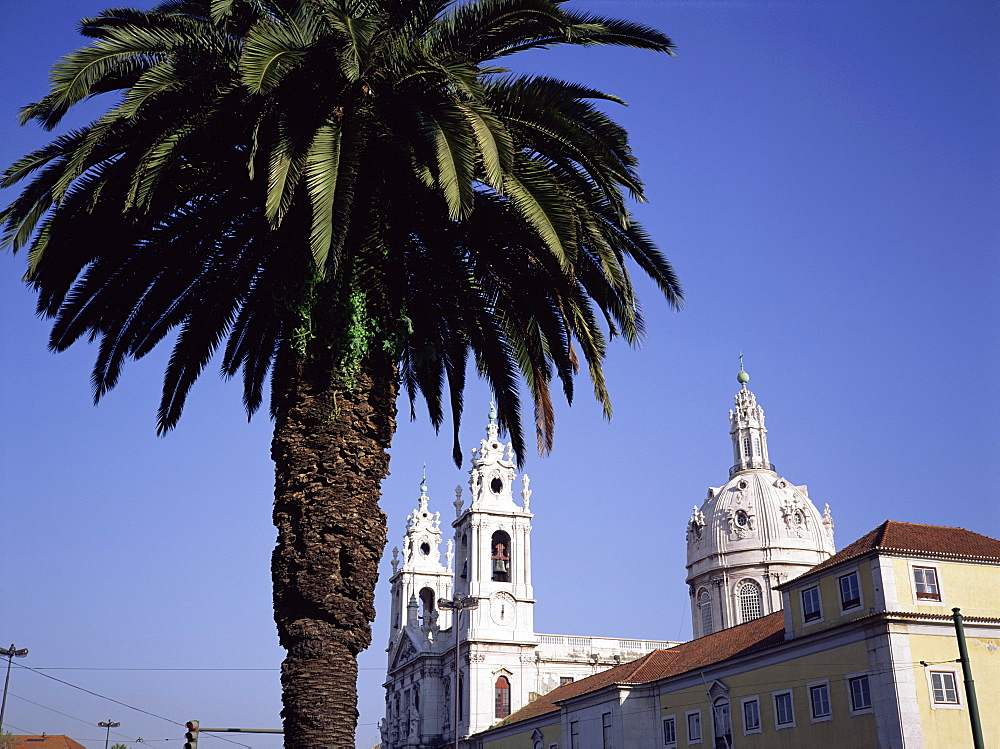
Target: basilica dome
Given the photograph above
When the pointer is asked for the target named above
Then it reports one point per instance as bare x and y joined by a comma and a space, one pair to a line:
753, 532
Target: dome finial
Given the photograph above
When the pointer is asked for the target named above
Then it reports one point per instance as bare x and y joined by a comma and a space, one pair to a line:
493, 412
423, 483
743, 378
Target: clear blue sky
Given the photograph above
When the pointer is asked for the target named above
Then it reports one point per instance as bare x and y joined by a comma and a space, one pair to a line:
824, 177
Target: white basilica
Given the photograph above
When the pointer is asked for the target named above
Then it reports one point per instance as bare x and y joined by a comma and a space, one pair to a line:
502, 663
750, 535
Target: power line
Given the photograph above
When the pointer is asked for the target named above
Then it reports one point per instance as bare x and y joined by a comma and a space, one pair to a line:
123, 704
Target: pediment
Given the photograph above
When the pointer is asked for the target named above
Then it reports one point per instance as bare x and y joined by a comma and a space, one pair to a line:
718, 689
405, 651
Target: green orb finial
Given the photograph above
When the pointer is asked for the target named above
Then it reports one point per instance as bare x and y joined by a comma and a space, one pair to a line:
743, 377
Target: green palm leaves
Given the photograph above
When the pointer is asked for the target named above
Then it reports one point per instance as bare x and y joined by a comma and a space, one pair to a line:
279, 173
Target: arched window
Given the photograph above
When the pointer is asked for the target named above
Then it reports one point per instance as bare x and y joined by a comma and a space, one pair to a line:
746, 448
751, 601
426, 605
500, 557
722, 723
502, 691
705, 612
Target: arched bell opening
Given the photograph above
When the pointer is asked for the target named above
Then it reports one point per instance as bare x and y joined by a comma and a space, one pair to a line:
426, 603
500, 557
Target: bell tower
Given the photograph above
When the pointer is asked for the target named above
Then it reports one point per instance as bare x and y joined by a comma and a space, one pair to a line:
422, 578
492, 546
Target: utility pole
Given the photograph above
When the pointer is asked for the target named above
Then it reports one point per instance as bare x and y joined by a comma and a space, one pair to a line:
109, 725
458, 605
970, 685
9, 653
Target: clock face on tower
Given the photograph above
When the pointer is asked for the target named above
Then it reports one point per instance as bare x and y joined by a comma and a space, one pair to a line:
502, 609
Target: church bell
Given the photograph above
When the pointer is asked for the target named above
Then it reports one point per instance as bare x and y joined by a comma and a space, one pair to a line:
499, 560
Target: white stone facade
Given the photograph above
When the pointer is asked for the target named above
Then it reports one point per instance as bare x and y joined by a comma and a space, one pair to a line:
752, 533
489, 563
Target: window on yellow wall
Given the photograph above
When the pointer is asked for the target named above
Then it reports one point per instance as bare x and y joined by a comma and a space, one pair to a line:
694, 727
925, 579
850, 591
819, 701
943, 687
784, 711
861, 696
670, 731
811, 610
751, 715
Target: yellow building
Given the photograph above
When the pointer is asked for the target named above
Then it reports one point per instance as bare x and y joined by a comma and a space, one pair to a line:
863, 654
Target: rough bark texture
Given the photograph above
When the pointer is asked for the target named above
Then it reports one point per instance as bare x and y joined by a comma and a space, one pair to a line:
330, 453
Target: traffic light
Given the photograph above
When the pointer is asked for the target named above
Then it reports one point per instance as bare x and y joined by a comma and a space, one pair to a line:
192, 734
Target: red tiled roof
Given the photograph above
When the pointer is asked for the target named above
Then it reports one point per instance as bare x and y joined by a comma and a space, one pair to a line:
45, 742
914, 538
659, 664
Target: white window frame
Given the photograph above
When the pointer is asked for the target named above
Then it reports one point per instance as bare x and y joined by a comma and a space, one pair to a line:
958, 704
850, 693
860, 605
743, 583
687, 727
813, 718
913, 583
665, 720
774, 704
802, 603
703, 601
743, 715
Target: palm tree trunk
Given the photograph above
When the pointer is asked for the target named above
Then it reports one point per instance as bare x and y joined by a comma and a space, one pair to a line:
330, 451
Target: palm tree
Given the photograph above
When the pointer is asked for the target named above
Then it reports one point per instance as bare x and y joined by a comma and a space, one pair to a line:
347, 197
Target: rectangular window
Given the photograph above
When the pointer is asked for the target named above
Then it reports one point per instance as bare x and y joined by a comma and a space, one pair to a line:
784, 713
574, 735
943, 683
565, 680
810, 605
670, 731
819, 700
925, 580
606, 730
850, 591
861, 696
694, 727
751, 715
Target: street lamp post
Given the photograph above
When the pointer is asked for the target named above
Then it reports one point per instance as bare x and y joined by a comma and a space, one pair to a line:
109, 725
9, 653
458, 605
